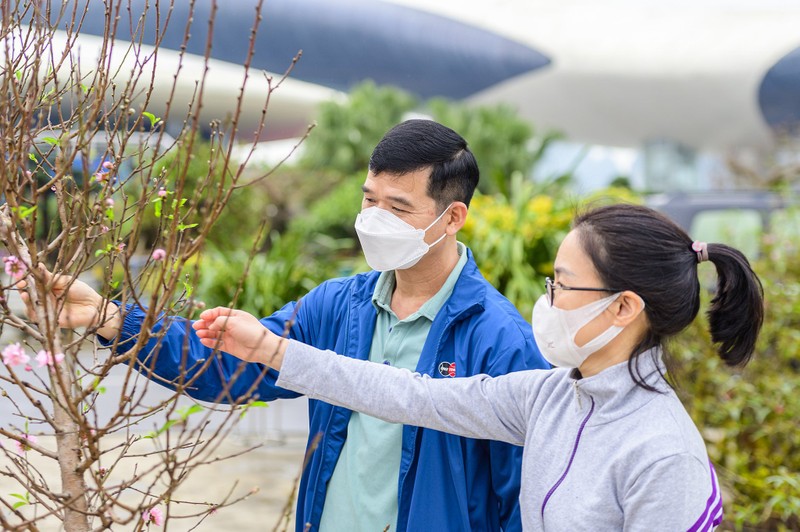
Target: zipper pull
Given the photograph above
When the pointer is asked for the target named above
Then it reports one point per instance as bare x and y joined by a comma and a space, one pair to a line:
577, 394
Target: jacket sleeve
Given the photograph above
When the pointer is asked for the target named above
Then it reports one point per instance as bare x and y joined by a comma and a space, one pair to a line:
174, 357
479, 407
506, 459
678, 492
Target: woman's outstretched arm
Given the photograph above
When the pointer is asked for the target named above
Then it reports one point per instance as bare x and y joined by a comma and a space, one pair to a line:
476, 407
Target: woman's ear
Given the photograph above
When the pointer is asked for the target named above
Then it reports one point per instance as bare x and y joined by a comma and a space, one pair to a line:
626, 308
456, 217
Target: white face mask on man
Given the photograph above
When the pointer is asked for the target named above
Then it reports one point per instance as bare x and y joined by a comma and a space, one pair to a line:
389, 243
554, 330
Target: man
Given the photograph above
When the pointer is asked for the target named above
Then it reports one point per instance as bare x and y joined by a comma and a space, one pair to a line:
425, 308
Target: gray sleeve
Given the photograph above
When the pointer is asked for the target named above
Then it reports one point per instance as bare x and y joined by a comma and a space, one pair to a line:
678, 492
481, 406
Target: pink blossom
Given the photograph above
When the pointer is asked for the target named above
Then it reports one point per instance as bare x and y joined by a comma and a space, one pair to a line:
109, 202
104, 229
159, 254
121, 247
28, 174
44, 358
28, 367
15, 267
14, 354
162, 192
22, 448
101, 177
108, 165
153, 515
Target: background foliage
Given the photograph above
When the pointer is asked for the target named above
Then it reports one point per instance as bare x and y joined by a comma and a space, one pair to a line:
750, 418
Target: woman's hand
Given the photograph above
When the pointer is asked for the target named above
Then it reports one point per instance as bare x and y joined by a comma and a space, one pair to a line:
240, 334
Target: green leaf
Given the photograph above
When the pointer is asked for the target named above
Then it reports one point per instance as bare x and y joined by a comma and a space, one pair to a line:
96, 386
23, 211
254, 404
184, 413
157, 207
114, 285
52, 141
110, 214
33, 158
189, 289
18, 74
153, 118
182, 227
23, 499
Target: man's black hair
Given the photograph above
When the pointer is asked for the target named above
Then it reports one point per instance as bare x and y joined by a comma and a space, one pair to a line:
416, 144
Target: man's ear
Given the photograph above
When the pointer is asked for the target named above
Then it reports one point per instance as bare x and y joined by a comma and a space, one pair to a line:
456, 217
626, 308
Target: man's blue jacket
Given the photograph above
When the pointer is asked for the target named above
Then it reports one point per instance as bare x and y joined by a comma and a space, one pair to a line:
446, 483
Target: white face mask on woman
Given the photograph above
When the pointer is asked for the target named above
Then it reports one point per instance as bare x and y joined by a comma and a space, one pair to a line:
388, 242
554, 330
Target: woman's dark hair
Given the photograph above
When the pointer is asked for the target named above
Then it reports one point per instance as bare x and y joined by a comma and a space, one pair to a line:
638, 249
416, 144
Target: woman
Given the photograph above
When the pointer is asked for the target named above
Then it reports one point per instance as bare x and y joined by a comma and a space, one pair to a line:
608, 445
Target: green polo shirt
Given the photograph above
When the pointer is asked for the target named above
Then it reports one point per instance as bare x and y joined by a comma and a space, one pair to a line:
362, 493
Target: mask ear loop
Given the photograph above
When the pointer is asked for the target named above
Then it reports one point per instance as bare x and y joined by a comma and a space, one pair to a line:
434, 223
438, 218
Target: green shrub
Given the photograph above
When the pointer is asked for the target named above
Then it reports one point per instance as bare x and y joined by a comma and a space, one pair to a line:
503, 144
750, 417
515, 238
246, 210
333, 214
286, 272
347, 132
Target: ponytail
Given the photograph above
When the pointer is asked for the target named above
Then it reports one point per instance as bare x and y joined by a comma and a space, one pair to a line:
737, 309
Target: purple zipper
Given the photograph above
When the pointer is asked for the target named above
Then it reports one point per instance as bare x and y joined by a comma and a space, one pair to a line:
571, 458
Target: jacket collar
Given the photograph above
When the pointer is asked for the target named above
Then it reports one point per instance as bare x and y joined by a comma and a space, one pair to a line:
614, 391
469, 292
467, 298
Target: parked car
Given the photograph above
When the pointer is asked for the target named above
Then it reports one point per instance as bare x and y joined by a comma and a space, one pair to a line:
740, 218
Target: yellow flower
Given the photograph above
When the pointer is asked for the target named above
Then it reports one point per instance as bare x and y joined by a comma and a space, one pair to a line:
540, 205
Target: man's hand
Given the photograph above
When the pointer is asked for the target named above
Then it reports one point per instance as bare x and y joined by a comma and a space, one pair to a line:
81, 306
240, 334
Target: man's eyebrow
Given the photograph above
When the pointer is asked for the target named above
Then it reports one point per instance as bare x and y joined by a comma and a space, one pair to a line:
395, 199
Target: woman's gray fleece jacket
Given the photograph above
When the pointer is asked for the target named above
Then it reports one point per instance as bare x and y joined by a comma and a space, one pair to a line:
601, 453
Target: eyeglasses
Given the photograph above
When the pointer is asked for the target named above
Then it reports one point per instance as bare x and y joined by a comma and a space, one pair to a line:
550, 288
